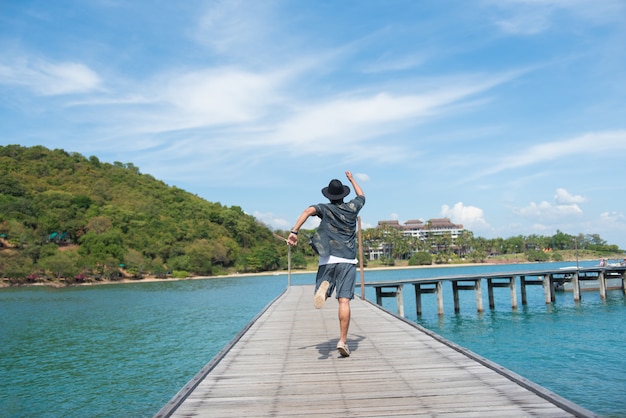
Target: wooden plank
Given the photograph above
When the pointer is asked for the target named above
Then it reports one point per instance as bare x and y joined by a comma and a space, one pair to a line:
286, 364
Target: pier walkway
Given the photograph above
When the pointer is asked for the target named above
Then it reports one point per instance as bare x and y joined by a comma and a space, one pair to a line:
284, 363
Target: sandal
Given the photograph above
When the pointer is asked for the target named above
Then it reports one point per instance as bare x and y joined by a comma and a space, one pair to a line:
343, 349
320, 295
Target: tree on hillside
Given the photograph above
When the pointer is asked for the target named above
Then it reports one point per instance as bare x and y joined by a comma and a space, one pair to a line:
562, 241
61, 264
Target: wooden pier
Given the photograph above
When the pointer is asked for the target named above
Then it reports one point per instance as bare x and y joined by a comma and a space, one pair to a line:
549, 279
285, 364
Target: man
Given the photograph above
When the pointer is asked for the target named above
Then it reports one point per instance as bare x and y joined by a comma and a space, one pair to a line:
335, 243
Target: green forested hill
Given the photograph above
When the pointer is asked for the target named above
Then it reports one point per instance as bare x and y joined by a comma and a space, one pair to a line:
65, 215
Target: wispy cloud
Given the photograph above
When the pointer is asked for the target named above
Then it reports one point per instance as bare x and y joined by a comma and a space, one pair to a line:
236, 29
595, 143
221, 95
211, 111
343, 121
49, 78
531, 17
394, 63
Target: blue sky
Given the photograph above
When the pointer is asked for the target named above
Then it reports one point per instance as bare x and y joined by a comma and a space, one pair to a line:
507, 116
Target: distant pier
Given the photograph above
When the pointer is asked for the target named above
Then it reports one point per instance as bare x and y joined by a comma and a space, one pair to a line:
285, 364
551, 280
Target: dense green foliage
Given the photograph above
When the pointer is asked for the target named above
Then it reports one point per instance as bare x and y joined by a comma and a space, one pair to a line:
64, 215
421, 259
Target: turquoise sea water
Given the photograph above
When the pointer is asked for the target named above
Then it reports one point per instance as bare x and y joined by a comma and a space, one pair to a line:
125, 350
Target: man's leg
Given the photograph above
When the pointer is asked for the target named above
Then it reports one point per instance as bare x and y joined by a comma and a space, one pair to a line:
344, 324
345, 278
344, 319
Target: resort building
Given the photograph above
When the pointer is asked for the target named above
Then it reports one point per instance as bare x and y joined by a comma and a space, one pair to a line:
416, 229
425, 230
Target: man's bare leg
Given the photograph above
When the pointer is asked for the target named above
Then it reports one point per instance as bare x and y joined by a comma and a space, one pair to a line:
344, 324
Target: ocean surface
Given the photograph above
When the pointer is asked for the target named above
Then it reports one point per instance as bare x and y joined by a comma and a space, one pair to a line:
124, 350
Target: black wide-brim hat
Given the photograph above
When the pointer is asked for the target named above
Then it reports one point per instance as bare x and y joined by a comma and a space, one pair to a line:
336, 190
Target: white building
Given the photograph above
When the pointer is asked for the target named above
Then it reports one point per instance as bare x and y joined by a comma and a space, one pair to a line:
416, 229
424, 230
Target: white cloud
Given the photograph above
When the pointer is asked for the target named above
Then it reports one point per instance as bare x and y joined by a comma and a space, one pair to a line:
235, 28
471, 217
350, 119
525, 20
594, 143
49, 78
531, 17
390, 63
546, 211
271, 220
347, 120
274, 222
562, 196
611, 217
361, 177
240, 101
221, 95
562, 213
541, 228
611, 226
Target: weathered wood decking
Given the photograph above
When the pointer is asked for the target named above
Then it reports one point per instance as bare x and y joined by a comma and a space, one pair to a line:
286, 364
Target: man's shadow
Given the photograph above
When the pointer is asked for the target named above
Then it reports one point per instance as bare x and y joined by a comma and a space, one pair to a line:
327, 348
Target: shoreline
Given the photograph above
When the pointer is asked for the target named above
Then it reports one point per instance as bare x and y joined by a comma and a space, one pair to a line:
151, 279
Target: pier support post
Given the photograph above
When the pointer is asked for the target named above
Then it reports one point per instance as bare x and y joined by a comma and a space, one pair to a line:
510, 284
547, 288
602, 284
492, 302
439, 293
455, 295
397, 292
400, 301
513, 293
523, 289
479, 295
418, 298
576, 286
420, 290
476, 287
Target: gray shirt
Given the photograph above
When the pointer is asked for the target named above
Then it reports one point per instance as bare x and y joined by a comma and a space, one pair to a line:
336, 234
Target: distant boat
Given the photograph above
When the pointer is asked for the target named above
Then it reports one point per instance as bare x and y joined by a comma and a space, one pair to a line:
611, 263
